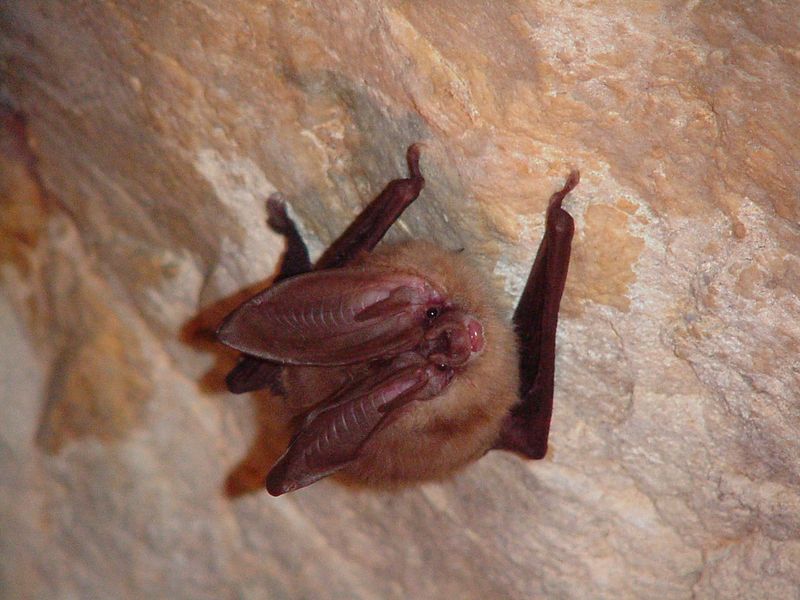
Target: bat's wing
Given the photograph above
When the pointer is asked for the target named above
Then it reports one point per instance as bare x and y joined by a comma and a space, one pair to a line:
253, 373
527, 427
331, 437
371, 224
333, 317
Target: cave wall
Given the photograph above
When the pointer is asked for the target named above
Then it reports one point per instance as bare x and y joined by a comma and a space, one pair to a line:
140, 141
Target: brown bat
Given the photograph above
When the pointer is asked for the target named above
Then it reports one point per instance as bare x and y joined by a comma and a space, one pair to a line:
398, 360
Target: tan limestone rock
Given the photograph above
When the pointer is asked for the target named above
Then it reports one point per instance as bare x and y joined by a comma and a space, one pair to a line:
158, 130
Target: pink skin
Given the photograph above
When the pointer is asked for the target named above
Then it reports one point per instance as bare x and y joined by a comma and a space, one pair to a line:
475, 331
453, 340
362, 315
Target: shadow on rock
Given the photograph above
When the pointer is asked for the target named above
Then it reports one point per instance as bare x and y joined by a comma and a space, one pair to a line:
272, 421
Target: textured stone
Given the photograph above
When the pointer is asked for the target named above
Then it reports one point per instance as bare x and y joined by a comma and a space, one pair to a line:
159, 129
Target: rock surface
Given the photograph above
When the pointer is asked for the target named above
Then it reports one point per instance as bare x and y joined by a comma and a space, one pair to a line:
159, 129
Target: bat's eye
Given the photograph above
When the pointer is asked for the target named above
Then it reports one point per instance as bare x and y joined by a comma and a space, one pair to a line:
432, 313
441, 367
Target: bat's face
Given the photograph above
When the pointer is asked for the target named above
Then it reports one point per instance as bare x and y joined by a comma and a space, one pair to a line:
454, 338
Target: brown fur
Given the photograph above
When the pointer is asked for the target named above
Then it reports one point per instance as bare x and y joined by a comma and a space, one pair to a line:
430, 439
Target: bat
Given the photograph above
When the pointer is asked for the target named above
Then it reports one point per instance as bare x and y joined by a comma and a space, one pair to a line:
397, 361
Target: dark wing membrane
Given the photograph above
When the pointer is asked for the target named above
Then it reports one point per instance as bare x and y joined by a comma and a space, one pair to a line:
371, 224
252, 373
527, 427
332, 317
330, 437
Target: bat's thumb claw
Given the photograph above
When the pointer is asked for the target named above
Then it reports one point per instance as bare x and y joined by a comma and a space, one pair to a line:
573, 180
569, 185
412, 157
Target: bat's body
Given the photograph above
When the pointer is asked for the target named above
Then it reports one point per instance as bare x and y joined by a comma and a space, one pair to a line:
398, 360
464, 419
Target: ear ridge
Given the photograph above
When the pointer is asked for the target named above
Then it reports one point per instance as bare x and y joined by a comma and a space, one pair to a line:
332, 317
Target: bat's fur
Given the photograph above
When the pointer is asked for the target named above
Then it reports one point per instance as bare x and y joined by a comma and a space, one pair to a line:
430, 439
463, 387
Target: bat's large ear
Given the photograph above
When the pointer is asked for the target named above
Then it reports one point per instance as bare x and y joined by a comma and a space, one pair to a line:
332, 436
333, 317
